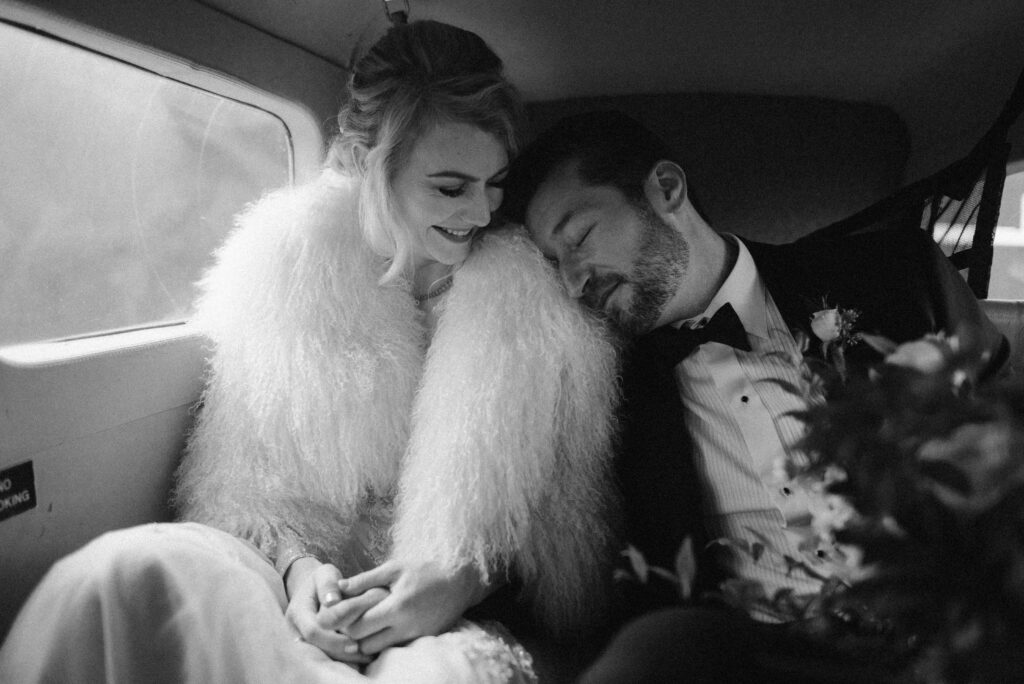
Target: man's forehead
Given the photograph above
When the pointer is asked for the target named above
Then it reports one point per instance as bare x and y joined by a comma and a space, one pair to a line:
561, 195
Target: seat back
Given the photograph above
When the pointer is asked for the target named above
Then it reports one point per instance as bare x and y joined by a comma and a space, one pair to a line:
1008, 316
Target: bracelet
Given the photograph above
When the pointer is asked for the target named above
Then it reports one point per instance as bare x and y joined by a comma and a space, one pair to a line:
284, 563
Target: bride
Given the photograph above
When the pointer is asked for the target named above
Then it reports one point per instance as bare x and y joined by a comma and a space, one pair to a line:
403, 412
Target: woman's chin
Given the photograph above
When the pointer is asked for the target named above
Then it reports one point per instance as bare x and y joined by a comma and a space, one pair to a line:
448, 252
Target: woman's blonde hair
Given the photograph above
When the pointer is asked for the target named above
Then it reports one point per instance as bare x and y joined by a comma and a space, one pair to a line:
416, 76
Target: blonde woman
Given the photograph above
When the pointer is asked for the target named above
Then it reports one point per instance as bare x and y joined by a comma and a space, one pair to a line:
403, 412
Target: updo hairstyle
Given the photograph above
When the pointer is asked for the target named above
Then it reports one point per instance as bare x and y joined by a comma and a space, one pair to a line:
416, 76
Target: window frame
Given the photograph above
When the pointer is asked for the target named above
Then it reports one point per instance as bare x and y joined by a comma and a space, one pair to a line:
1013, 167
303, 133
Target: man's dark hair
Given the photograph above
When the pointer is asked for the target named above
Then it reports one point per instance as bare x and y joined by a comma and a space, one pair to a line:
611, 149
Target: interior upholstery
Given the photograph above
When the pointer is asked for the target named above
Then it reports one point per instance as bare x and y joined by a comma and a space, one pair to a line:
1008, 316
775, 168
767, 168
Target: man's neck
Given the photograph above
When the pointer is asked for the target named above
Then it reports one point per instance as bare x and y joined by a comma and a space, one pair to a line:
712, 258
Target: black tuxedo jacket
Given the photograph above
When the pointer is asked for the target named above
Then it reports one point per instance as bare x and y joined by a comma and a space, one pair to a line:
903, 287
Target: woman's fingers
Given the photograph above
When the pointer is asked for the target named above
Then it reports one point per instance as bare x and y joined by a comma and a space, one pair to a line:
377, 642
340, 615
312, 594
326, 580
337, 646
381, 576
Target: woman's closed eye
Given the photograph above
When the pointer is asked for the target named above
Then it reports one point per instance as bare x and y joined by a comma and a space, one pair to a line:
453, 191
456, 191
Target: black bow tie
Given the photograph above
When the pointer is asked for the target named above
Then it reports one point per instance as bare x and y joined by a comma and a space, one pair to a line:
675, 344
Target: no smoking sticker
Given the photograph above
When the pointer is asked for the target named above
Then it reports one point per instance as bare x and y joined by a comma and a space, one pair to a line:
17, 490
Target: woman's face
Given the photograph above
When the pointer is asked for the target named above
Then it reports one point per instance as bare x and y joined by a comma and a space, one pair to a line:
448, 189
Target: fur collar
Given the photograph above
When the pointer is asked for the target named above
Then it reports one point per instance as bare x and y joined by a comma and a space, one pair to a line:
320, 393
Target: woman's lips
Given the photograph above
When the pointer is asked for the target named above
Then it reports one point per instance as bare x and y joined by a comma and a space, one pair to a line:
455, 235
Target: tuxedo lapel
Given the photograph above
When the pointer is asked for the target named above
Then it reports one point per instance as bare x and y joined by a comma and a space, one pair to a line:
794, 287
655, 468
883, 276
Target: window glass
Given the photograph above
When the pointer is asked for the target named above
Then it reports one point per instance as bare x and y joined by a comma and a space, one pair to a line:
116, 184
1007, 281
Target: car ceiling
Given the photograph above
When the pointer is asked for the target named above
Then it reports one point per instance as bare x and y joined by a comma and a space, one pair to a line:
945, 66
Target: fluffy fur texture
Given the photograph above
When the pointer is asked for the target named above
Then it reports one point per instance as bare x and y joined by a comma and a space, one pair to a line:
320, 396
508, 459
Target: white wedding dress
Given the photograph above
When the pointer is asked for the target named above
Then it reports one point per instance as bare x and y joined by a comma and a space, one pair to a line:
183, 602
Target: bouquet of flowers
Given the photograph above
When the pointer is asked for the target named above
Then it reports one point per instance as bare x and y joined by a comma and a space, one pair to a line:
914, 474
920, 472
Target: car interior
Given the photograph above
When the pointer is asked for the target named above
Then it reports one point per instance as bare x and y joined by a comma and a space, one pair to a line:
135, 130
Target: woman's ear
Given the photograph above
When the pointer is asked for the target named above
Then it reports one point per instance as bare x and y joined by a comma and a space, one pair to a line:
665, 187
359, 152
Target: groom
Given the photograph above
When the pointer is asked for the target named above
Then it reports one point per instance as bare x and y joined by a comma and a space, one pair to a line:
706, 414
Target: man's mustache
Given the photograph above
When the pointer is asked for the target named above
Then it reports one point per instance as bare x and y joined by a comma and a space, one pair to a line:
598, 289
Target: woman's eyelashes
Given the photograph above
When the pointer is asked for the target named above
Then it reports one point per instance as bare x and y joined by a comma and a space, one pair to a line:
463, 183
457, 191
460, 190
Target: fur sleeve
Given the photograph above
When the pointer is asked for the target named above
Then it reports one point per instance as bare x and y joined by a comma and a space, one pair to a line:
310, 380
510, 455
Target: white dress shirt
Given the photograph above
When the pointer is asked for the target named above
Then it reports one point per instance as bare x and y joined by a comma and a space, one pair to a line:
737, 415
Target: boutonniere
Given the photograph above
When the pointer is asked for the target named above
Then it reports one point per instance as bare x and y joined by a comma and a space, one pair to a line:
833, 326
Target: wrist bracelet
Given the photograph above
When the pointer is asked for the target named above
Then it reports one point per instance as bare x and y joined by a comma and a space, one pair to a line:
285, 562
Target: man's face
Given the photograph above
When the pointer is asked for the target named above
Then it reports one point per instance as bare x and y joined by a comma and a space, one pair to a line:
622, 260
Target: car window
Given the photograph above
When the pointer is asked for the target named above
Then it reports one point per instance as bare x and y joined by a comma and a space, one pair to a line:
1007, 280
116, 185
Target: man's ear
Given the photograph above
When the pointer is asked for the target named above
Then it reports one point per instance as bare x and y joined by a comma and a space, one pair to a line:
665, 187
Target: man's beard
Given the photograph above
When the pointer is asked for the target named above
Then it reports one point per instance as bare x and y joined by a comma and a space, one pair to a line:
662, 259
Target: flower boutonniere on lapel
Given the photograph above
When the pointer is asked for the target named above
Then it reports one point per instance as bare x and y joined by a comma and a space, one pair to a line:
833, 327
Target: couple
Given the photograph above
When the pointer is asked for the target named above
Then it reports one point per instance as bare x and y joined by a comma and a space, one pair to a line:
405, 415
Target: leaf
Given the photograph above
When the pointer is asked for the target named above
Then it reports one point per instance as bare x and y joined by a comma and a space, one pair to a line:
882, 345
637, 562
740, 544
686, 567
765, 541
622, 575
663, 574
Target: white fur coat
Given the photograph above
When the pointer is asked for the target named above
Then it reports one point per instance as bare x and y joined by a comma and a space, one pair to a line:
322, 395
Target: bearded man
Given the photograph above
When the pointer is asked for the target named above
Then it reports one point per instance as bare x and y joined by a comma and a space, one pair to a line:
707, 414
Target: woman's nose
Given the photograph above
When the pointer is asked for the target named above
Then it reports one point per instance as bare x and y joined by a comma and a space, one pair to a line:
477, 211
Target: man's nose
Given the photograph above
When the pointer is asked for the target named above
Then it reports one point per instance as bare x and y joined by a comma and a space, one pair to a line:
575, 278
